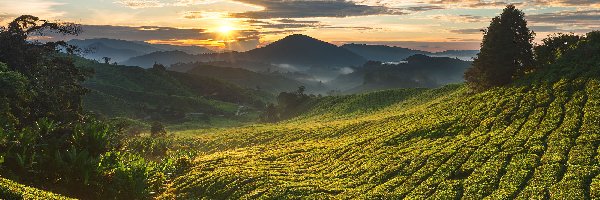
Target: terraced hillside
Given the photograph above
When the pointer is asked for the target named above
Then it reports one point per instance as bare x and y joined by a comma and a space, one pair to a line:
531, 140
11, 190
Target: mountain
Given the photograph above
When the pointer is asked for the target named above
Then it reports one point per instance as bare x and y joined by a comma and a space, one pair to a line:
294, 52
304, 51
386, 53
382, 53
121, 50
416, 71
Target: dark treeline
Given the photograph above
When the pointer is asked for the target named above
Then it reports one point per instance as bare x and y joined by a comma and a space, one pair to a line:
508, 53
47, 140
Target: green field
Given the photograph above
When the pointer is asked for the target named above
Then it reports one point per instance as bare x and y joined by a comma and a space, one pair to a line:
533, 139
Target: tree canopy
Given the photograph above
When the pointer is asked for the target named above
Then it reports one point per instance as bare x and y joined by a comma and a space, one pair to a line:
506, 51
50, 76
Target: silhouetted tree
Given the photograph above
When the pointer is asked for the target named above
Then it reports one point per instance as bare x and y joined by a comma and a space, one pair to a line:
301, 90
53, 80
506, 51
554, 46
159, 67
106, 60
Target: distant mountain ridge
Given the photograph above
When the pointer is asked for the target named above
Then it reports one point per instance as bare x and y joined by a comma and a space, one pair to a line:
386, 53
418, 71
121, 50
297, 50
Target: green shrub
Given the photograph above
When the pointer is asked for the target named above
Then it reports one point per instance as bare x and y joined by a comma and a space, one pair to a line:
10, 190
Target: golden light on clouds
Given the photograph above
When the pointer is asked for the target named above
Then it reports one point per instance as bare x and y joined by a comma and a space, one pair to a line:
218, 44
225, 30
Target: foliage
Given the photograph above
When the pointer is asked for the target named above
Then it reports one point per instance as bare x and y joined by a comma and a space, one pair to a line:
14, 191
289, 104
506, 52
53, 80
157, 129
158, 95
46, 139
554, 46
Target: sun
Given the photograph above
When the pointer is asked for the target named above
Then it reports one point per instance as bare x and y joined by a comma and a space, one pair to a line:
225, 30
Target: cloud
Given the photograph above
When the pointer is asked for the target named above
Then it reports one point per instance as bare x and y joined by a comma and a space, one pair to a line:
577, 18
546, 29
467, 31
40, 8
312, 8
424, 8
584, 3
284, 24
135, 4
242, 40
473, 3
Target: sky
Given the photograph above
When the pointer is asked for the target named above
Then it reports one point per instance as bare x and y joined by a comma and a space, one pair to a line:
240, 25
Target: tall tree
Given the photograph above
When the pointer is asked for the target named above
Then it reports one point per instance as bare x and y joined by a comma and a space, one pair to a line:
506, 51
52, 77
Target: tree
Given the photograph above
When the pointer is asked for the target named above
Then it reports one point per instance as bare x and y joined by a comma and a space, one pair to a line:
271, 114
555, 46
301, 90
106, 60
157, 130
53, 80
159, 67
506, 51
13, 96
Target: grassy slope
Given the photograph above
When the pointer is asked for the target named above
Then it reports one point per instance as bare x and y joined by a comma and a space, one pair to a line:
128, 91
11, 190
524, 141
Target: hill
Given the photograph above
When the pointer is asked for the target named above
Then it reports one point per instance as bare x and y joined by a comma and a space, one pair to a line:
270, 82
121, 50
535, 138
12, 190
382, 53
162, 57
150, 93
304, 51
517, 142
386, 53
298, 51
417, 71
